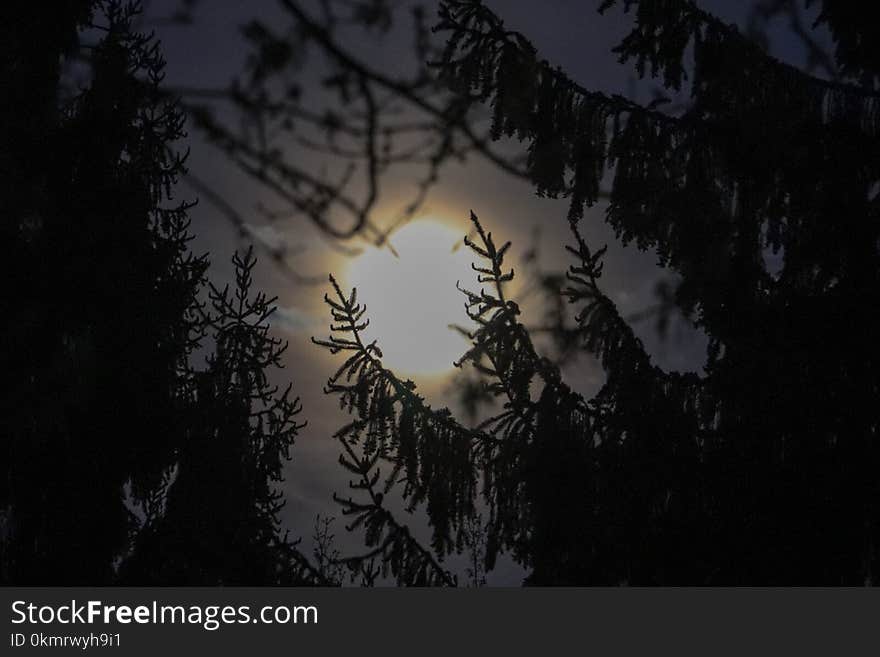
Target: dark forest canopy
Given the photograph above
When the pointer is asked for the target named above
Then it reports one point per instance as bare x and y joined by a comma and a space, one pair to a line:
761, 469
127, 459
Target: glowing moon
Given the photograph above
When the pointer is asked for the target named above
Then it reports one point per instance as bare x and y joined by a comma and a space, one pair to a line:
412, 299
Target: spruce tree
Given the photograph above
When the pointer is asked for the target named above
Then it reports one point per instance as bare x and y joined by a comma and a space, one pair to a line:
122, 458
99, 281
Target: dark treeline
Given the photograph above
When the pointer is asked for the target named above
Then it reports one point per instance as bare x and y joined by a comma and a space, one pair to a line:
128, 460
122, 461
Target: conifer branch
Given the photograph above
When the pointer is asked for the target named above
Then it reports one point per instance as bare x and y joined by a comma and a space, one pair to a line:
429, 453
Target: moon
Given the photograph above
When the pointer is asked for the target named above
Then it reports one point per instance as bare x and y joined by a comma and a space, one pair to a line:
412, 298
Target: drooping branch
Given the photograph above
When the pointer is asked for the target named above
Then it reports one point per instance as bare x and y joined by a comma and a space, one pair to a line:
400, 553
708, 190
426, 451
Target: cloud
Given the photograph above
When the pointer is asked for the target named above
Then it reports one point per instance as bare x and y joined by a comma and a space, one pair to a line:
293, 319
267, 235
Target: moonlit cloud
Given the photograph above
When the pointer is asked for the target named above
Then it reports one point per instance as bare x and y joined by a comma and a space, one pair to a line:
294, 320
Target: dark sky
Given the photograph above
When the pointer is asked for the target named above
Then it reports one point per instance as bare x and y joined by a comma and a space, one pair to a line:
568, 33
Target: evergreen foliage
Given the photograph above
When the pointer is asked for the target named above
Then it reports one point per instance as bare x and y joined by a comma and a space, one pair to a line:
760, 469
122, 461
125, 461
216, 518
